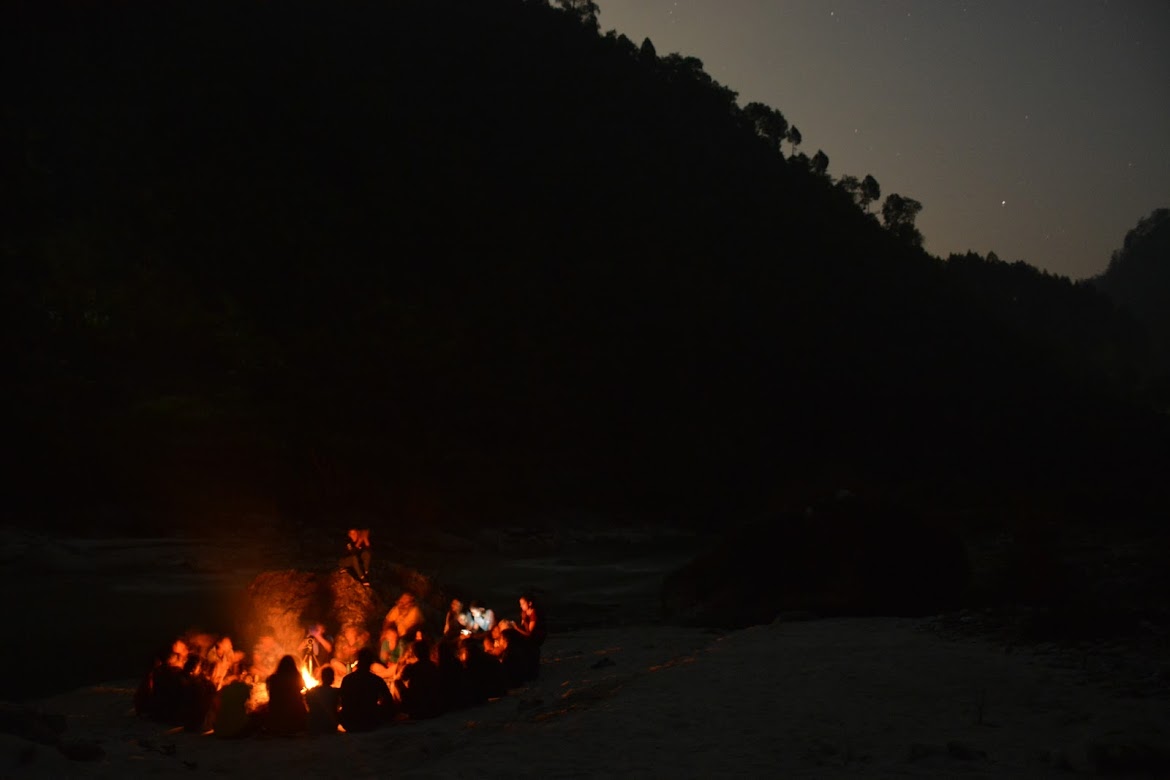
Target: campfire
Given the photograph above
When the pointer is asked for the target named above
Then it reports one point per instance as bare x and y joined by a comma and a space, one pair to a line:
307, 676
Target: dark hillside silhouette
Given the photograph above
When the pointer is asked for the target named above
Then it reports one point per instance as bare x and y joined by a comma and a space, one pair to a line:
1138, 279
468, 258
1073, 325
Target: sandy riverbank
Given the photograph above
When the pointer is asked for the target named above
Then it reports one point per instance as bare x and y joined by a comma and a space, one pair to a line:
620, 693
875, 697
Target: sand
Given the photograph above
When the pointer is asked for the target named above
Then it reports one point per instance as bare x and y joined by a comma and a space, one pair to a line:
831, 698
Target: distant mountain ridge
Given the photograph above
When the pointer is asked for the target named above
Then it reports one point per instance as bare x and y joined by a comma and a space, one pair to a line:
1138, 278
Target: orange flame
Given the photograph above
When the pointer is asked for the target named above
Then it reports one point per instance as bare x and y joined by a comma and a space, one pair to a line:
310, 680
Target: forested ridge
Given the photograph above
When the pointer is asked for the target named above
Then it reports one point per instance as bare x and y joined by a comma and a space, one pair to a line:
1138, 278
459, 259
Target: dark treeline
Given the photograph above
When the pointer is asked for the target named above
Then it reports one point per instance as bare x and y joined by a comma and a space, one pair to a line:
1138, 278
463, 258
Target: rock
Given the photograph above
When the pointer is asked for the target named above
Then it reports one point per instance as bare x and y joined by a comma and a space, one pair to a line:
283, 603
351, 604
846, 557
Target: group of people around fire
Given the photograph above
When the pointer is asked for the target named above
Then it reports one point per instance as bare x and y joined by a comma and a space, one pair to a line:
412, 671
200, 683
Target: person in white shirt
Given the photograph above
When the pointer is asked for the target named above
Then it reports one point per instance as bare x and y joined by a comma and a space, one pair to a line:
482, 618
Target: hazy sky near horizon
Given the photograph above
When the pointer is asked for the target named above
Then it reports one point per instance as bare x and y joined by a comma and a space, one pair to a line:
1037, 129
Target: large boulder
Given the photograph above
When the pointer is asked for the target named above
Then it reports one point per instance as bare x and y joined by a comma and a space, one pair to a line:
841, 557
283, 604
352, 605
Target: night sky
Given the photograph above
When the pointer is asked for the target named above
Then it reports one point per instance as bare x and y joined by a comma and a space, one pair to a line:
1037, 129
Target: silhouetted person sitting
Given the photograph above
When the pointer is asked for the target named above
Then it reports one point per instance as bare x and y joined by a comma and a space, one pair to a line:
231, 717
357, 554
454, 678
418, 690
324, 702
365, 699
287, 714
160, 697
520, 659
196, 697
485, 675
144, 695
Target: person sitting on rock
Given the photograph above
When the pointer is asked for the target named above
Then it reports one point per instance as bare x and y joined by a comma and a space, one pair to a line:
405, 617
324, 702
365, 699
287, 714
357, 555
345, 650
